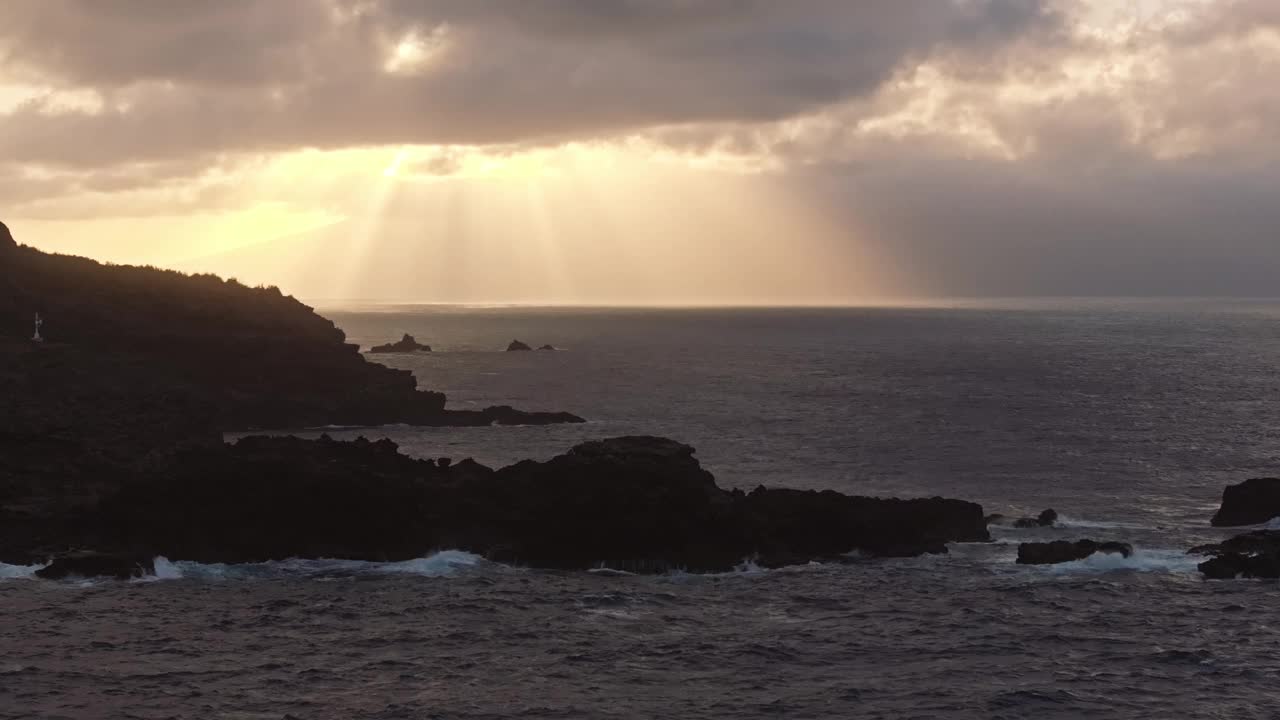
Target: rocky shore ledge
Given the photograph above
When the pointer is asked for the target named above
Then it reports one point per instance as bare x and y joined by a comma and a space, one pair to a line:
642, 504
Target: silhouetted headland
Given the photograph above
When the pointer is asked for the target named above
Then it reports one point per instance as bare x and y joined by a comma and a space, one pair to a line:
248, 357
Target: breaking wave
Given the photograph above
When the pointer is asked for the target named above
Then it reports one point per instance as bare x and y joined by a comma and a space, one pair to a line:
18, 572
442, 564
1155, 561
1065, 521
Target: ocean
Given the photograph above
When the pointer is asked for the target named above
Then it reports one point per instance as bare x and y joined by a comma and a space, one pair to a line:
1126, 416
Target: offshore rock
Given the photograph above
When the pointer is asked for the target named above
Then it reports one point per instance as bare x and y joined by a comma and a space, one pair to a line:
1251, 555
1045, 519
547, 347
1249, 503
95, 564
517, 346
641, 504
406, 344
1060, 551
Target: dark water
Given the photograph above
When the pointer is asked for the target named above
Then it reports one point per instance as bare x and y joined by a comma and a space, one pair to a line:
1126, 417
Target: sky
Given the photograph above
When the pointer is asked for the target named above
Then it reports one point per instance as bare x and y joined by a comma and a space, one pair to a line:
653, 151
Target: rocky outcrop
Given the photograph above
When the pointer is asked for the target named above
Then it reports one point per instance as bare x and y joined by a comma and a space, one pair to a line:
142, 364
517, 346
1251, 555
253, 358
120, 566
406, 344
1060, 551
6, 238
1249, 503
547, 347
636, 503
1046, 518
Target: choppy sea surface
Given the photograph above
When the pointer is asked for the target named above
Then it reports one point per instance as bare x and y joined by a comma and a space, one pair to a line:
1128, 417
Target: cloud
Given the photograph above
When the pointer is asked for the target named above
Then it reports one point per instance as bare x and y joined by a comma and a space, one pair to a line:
243, 76
983, 146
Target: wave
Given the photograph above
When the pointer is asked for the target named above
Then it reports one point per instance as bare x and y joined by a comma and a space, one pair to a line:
18, 572
1157, 561
441, 564
1065, 521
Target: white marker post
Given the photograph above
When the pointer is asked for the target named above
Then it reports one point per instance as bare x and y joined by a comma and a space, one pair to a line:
39, 323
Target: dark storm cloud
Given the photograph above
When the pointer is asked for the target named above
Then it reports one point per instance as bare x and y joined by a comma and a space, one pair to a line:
111, 43
183, 77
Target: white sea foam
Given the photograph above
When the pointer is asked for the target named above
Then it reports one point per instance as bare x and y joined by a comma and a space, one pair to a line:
1142, 560
166, 570
609, 572
445, 562
1071, 522
18, 572
441, 564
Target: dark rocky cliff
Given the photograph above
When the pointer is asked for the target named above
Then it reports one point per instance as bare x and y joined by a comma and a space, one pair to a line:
139, 364
254, 357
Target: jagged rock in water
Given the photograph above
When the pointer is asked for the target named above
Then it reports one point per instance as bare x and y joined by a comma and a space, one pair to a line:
517, 346
547, 347
636, 503
406, 343
1251, 555
1060, 551
121, 566
1046, 518
1249, 503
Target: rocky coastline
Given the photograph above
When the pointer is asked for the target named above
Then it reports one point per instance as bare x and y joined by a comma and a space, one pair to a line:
641, 504
111, 440
112, 453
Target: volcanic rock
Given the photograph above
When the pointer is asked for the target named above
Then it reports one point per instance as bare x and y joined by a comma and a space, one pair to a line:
406, 344
1060, 551
1251, 555
150, 364
637, 503
1045, 519
253, 358
517, 346
1249, 503
95, 564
